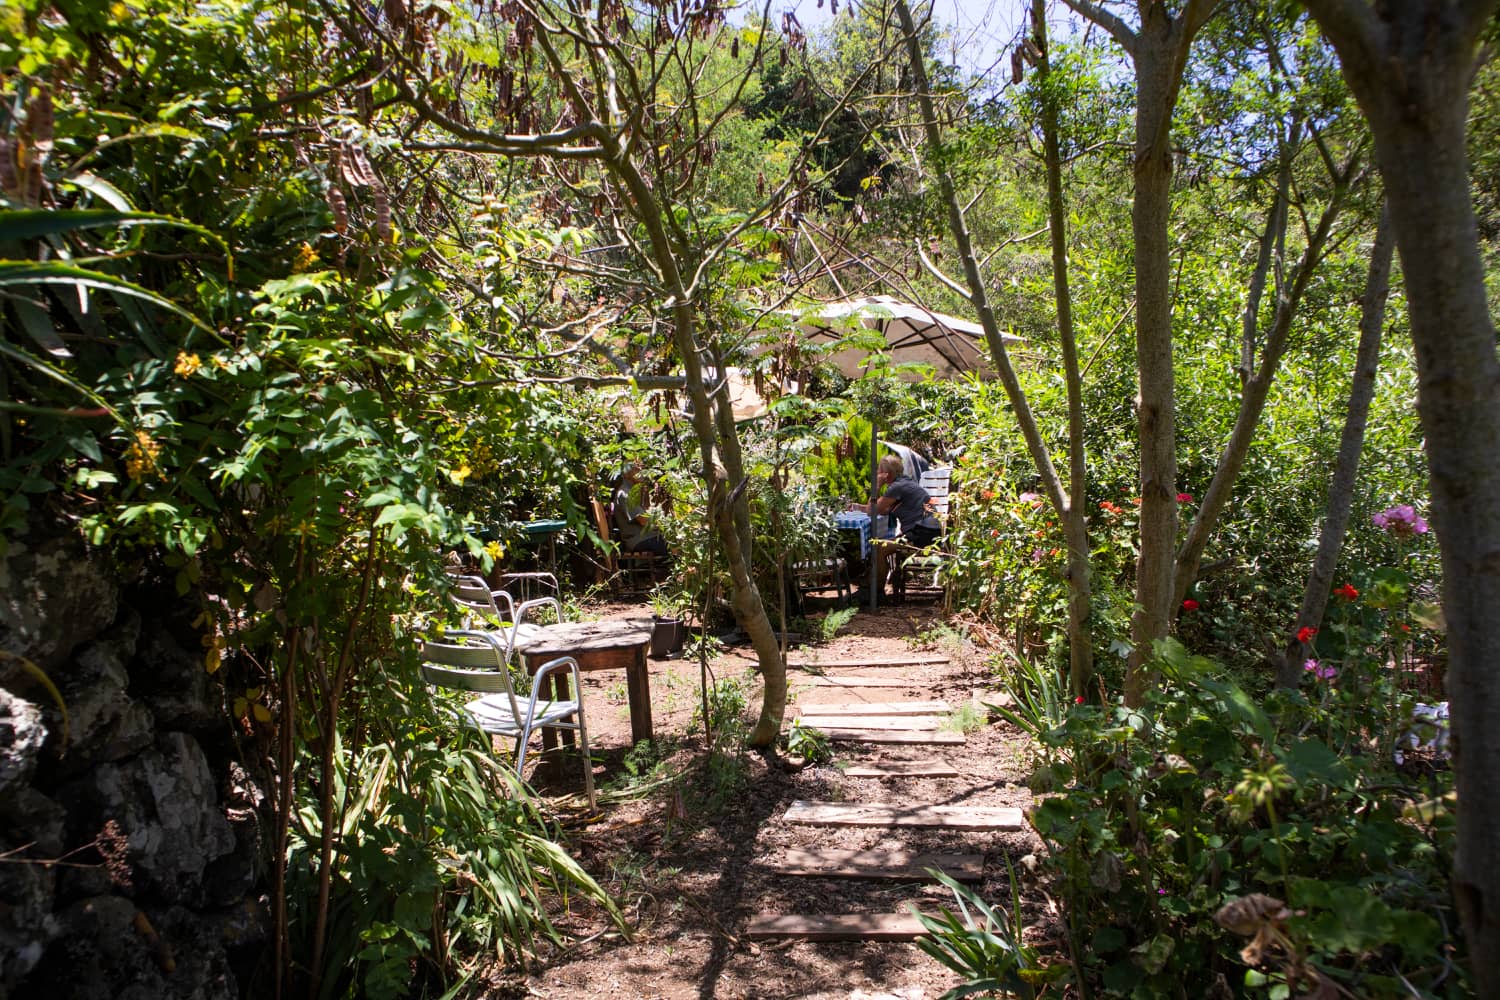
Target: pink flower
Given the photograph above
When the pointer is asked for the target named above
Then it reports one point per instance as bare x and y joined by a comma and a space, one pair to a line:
1319, 671
1400, 521
1184, 498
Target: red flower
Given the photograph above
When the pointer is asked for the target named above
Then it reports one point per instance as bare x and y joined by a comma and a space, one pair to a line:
1347, 592
1404, 627
1190, 605
1184, 498
1078, 700
1305, 633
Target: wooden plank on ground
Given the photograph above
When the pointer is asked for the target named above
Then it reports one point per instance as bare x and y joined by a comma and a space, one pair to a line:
860, 682
915, 660
902, 769
913, 723
893, 735
804, 813
829, 863
837, 926
879, 708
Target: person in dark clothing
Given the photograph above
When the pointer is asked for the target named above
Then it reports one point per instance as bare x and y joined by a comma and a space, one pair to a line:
636, 535
904, 497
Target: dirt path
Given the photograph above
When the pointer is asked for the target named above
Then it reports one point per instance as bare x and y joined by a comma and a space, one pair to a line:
686, 844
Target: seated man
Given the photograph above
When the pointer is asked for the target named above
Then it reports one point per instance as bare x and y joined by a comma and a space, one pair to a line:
906, 498
630, 514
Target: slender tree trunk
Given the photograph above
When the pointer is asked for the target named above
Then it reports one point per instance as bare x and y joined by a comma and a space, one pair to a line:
1159, 53
1410, 66
1346, 467
1074, 516
729, 506
1258, 387
979, 297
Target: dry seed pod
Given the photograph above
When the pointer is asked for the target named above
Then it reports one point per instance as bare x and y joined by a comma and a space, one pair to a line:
10, 181
395, 12
734, 47
383, 230
1016, 70
39, 120
339, 207
1032, 49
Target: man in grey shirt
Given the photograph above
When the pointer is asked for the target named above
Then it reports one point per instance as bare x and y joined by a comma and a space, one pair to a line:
906, 498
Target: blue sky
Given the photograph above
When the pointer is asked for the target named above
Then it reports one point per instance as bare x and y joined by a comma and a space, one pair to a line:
982, 28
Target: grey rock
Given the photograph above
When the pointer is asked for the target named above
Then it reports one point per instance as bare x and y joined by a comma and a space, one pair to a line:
171, 680
53, 598
109, 949
22, 734
104, 722
166, 803
26, 922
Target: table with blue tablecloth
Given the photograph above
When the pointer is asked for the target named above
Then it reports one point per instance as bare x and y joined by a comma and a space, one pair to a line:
854, 521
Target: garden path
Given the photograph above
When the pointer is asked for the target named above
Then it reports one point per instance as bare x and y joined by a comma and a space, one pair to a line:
711, 859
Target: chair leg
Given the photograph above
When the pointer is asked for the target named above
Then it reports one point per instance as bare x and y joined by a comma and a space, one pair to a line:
583, 745
522, 741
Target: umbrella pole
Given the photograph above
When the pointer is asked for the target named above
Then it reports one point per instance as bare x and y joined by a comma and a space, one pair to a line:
875, 554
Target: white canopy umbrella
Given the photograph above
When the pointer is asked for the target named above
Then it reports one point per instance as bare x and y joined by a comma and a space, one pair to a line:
913, 334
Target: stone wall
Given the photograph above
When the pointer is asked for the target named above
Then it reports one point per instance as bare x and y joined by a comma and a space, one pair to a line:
132, 827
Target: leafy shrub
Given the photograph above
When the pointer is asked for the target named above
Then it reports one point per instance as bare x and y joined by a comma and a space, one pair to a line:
1158, 817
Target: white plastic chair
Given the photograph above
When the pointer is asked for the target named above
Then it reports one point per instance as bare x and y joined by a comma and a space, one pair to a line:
474, 660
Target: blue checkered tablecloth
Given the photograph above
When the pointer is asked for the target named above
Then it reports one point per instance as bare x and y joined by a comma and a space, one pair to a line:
853, 520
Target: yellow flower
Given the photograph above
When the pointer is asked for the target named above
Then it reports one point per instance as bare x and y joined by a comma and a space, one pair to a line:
305, 259
494, 550
187, 364
461, 473
140, 457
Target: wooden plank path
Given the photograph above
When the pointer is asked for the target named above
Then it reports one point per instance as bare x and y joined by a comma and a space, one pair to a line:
912, 722
902, 769
919, 660
837, 926
933, 736
804, 813
849, 681
907, 723
904, 865
879, 708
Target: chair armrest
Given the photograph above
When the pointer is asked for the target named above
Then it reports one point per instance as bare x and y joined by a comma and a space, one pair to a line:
520, 609
548, 578
552, 667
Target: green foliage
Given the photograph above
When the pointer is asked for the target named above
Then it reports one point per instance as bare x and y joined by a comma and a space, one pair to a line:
827, 627
808, 742
1164, 814
985, 946
441, 852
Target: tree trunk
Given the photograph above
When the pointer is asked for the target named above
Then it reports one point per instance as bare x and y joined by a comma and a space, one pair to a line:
1258, 386
1082, 652
1410, 65
1074, 517
1341, 491
1160, 50
713, 423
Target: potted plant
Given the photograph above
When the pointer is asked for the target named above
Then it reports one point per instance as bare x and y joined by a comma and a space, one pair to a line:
669, 622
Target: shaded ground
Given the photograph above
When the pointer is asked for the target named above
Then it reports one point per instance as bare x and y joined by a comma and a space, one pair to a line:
680, 835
